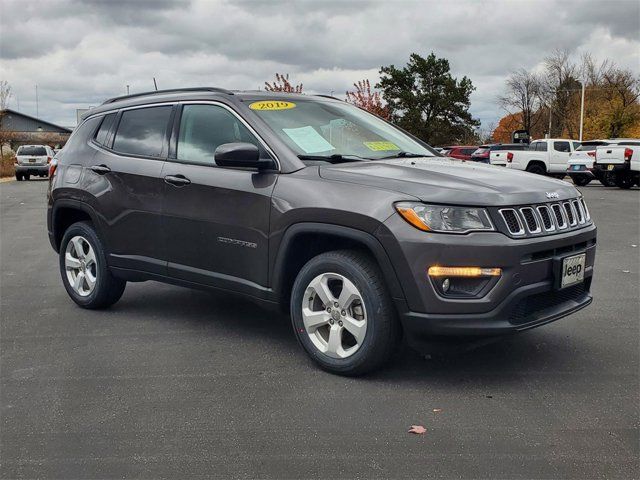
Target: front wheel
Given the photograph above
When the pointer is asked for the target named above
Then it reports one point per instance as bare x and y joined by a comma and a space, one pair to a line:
83, 266
342, 313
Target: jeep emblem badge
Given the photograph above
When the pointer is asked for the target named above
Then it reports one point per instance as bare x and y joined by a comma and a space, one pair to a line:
551, 195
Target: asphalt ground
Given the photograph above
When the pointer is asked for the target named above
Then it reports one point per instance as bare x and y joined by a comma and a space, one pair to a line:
175, 383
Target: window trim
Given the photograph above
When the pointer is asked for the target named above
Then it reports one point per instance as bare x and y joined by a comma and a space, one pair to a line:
175, 132
109, 137
568, 143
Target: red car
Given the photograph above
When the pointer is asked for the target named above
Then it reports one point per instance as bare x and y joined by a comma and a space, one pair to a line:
459, 152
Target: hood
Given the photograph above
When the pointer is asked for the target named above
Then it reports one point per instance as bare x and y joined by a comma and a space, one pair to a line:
450, 181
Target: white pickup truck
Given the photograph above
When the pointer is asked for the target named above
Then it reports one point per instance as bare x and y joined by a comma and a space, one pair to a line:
548, 156
622, 160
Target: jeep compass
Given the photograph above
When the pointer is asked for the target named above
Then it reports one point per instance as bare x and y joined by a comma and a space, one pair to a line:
361, 231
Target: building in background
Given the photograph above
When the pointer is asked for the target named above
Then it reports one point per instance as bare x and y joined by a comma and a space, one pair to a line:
20, 129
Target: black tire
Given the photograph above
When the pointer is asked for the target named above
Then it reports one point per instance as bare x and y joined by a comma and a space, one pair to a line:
608, 179
624, 181
537, 169
26, 176
581, 180
383, 332
19, 177
108, 289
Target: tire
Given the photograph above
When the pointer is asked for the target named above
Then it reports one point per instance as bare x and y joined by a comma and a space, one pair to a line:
26, 176
537, 169
19, 177
581, 180
624, 181
370, 313
608, 179
106, 289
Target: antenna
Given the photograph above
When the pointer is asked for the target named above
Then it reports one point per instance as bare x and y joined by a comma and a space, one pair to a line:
155, 84
37, 110
127, 89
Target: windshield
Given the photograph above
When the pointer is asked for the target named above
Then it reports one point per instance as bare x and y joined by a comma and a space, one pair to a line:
31, 150
313, 128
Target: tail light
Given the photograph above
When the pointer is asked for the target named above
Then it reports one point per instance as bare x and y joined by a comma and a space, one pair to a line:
53, 165
628, 153
509, 157
592, 154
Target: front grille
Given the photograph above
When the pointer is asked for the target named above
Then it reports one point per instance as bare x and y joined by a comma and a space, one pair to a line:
530, 308
543, 219
569, 211
513, 222
530, 219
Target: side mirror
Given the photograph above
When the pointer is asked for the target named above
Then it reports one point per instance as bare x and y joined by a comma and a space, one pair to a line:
240, 155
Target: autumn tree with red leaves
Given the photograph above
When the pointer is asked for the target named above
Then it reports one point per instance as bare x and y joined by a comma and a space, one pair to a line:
363, 97
282, 84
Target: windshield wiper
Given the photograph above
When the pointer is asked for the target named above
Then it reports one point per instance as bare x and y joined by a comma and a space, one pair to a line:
335, 158
404, 155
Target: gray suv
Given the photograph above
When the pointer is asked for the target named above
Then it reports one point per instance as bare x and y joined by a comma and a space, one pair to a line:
361, 231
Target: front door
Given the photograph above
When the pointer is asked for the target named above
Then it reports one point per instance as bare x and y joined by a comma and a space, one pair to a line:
215, 220
560, 156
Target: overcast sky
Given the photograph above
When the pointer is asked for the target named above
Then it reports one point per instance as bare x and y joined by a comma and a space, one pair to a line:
80, 52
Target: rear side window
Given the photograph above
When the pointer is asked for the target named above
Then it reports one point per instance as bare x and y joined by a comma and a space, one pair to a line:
203, 128
561, 146
588, 146
142, 131
540, 147
576, 145
468, 151
32, 150
105, 127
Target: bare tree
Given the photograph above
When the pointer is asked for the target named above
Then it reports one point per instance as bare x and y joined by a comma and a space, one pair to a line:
523, 97
560, 91
5, 94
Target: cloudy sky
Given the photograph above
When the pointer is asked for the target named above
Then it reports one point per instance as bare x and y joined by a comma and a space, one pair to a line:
80, 52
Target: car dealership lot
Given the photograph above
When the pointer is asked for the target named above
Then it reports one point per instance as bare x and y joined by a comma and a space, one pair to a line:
175, 383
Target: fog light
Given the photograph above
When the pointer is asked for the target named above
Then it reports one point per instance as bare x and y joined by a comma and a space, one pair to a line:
437, 271
445, 285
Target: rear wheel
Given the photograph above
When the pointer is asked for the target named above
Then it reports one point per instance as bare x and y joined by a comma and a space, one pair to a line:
624, 181
581, 180
26, 176
536, 168
342, 313
608, 179
19, 177
83, 266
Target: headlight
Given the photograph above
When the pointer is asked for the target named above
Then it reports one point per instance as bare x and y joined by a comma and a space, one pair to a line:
438, 218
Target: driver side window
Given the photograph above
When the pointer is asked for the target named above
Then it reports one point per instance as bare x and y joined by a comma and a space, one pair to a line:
203, 128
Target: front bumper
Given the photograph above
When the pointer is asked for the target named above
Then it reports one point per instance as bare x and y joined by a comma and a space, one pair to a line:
525, 296
32, 169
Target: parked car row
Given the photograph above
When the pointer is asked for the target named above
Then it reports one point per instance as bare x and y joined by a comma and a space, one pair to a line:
479, 153
614, 162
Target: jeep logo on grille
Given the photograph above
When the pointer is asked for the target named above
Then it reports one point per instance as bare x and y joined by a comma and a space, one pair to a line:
551, 195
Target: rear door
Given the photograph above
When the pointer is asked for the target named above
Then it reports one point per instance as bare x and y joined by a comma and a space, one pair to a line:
125, 179
559, 155
215, 220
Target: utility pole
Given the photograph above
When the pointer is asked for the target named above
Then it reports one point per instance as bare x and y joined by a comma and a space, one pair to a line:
37, 110
549, 132
582, 111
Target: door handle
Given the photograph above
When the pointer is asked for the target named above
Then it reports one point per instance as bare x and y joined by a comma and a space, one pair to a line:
177, 180
100, 169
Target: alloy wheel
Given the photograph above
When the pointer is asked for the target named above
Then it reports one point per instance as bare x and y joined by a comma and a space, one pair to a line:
334, 315
81, 266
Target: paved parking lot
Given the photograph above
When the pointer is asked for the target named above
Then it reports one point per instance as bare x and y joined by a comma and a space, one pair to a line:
173, 383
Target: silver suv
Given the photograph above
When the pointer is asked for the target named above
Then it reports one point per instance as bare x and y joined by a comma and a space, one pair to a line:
33, 160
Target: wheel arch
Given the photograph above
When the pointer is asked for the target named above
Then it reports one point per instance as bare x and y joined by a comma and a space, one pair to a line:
537, 162
64, 214
303, 241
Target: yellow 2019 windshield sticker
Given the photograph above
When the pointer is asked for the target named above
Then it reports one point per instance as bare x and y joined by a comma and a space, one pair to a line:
381, 146
272, 105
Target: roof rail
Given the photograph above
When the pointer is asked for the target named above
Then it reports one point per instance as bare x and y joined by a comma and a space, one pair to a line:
170, 90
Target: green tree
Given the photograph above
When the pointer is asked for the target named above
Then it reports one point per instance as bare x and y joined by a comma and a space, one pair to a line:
427, 101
